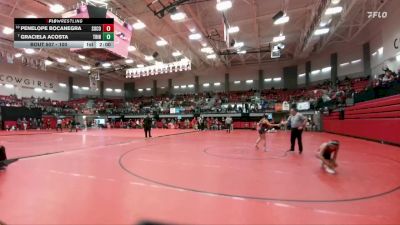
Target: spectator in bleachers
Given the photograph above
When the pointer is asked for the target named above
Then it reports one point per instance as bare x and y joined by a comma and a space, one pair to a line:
388, 77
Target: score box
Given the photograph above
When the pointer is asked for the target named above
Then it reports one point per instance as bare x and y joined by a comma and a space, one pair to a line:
108, 27
108, 36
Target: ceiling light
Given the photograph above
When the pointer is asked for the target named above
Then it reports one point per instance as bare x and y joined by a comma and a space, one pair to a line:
72, 69
268, 79
185, 59
232, 30
140, 66
224, 5
326, 69
176, 87
302, 75
195, 36
47, 62
190, 86
236, 82
176, 54
29, 50
62, 85
9, 86
380, 51
140, 90
207, 50
85, 88
81, 56
86, 67
374, 53
206, 85
49, 91
335, 2
238, 45
56, 8
212, 56
161, 42
109, 89
105, 65
279, 38
217, 84
75, 87
344, 64
249, 81
17, 55
315, 72
129, 61
131, 48
178, 16
282, 20
324, 23
148, 89
138, 25
321, 31
61, 60
31, 16
7, 30
398, 57
148, 58
183, 86
38, 90
356, 61
242, 52
333, 10
277, 79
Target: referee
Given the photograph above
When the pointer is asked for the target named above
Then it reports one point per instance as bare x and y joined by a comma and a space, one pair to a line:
147, 122
296, 122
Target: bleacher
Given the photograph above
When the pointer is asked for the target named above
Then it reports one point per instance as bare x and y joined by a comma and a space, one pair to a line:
375, 120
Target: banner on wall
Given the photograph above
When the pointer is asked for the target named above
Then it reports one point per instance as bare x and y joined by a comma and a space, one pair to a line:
25, 82
8, 57
303, 106
285, 106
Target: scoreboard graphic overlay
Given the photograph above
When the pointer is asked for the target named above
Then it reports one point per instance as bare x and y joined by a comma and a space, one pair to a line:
64, 33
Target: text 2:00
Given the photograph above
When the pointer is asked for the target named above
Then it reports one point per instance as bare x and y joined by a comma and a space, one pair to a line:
105, 44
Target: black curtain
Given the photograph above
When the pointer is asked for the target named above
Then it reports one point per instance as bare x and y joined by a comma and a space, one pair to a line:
13, 113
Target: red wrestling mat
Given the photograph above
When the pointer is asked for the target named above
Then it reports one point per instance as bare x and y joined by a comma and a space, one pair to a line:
118, 177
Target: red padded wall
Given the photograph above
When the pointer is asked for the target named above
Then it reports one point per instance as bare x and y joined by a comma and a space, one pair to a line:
377, 119
376, 129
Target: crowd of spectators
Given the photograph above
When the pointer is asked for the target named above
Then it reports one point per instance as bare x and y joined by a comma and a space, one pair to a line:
232, 102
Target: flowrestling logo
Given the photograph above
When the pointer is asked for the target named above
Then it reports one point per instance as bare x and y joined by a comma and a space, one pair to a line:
376, 14
25, 82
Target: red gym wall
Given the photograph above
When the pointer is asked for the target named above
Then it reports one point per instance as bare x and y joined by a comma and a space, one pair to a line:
377, 120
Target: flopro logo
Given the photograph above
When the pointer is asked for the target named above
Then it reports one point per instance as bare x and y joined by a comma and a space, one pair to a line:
378, 15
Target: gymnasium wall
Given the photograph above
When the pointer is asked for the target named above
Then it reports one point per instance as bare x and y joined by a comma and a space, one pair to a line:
82, 81
25, 79
390, 30
347, 52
